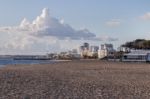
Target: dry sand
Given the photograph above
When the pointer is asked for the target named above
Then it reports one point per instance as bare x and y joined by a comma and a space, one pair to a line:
76, 80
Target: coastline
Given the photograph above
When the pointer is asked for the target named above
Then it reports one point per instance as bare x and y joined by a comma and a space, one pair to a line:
6, 62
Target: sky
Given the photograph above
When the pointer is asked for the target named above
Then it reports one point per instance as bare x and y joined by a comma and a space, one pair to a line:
39, 27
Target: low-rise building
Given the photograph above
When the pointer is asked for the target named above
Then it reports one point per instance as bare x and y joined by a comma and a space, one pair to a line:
106, 50
94, 49
124, 49
84, 50
137, 56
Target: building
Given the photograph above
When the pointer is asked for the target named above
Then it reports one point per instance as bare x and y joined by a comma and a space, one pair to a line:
84, 50
137, 56
106, 47
93, 52
74, 54
124, 49
94, 49
86, 46
106, 50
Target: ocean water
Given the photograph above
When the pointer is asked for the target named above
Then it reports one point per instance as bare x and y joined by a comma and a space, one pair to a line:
4, 62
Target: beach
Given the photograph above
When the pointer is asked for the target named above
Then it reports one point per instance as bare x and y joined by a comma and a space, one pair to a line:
79, 79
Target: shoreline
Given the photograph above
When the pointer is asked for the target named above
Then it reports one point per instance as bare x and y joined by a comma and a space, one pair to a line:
4, 63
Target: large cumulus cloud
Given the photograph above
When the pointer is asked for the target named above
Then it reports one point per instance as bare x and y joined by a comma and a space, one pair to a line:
45, 32
45, 25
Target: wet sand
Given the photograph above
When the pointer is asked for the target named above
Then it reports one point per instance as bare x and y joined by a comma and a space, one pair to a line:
90, 79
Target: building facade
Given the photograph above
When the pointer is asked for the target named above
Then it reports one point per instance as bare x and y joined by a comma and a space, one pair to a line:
84, 50
137, 56
106, 50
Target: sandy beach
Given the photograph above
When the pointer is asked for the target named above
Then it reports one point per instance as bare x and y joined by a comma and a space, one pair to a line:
90, 79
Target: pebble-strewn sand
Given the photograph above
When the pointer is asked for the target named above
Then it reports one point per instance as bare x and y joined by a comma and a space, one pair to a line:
76, 80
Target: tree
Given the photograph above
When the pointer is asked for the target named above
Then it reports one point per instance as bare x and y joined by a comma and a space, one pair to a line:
138, 44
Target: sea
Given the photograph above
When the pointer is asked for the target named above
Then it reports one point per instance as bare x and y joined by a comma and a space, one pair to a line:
4, 62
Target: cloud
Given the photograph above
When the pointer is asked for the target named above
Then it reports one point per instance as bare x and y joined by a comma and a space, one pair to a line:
44, 33
113, 23
146, 16
45, 25
107, 38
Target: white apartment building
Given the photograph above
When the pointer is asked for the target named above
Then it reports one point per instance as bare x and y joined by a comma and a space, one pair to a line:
105, 51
